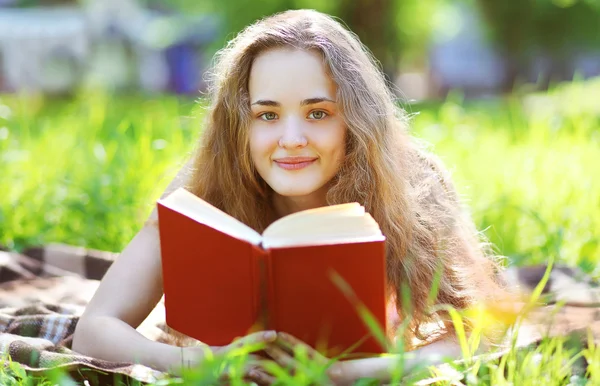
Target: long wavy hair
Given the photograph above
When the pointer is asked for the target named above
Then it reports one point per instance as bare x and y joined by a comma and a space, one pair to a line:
404, 188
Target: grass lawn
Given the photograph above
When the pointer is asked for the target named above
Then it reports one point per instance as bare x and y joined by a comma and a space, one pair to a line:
86, 171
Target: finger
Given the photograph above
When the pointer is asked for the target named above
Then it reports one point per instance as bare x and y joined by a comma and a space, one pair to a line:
287, 341
251, 372
291, 343
290, 340
260, 377
254, 338
336, 373
280, 356
253, 358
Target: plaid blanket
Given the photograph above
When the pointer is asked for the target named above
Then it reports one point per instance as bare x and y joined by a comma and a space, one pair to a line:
44, 290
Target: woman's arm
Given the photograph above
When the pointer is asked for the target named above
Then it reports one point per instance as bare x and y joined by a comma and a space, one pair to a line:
127, 294
380, 368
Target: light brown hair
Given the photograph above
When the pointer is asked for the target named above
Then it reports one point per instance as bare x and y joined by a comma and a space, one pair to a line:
403, 187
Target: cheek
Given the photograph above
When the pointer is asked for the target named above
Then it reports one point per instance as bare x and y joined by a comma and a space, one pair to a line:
261, 143
334, 141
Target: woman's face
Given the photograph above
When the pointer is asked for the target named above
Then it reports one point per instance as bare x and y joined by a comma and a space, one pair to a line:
297, 136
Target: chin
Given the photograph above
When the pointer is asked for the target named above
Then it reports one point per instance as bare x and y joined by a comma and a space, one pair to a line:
295, 191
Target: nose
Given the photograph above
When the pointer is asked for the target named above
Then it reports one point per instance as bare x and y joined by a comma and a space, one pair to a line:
293, 135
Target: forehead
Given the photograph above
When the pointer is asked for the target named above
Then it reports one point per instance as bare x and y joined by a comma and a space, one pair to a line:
288, 74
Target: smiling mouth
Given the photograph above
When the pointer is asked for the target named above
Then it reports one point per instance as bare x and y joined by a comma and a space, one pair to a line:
295, 163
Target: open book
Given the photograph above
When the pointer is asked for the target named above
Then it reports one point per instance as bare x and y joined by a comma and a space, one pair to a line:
223, 280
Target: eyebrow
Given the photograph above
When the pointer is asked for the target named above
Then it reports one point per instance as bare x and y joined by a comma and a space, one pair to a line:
305, 102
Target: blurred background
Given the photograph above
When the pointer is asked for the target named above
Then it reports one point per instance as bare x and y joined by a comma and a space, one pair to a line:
100, 104
427, 47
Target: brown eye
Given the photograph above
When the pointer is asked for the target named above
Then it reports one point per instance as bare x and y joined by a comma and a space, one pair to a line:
270, 116
317, 115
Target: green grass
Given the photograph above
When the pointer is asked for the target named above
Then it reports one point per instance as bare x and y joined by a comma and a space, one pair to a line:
86, 171
529, 169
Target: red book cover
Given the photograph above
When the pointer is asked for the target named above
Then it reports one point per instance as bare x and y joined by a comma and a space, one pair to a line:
209, 280
305, 302
218, 287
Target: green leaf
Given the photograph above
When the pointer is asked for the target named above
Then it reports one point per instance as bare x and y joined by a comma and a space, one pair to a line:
17, 370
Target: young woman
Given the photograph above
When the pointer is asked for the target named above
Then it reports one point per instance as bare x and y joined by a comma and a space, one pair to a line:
301, 117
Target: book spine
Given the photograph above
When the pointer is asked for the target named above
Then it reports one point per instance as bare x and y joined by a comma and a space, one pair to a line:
270, 300
260, 286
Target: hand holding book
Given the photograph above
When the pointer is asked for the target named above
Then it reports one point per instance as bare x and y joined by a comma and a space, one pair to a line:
192, 356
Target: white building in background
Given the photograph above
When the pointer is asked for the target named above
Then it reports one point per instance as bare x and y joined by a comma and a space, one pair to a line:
112, 43
112, 24
460, 57
42, 49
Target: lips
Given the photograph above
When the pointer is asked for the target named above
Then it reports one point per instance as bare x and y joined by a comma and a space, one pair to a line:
294, 163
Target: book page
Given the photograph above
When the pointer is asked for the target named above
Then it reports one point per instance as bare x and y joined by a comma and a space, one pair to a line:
344, 223
197, 209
